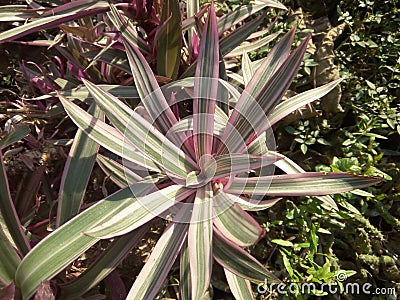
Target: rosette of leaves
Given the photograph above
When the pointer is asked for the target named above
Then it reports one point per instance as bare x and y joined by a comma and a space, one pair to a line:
191, 167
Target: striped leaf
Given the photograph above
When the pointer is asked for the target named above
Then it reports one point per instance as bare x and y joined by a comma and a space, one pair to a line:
119, 91
186, 124
231, 41
149, 90
206, 87
118, 173
255, 98
185, 284
290, 167
76, 174
139, 212
153, 99
10, 261
53, 17
140, 133
234, 223
16, 13
106, 135
236, 16
127, 31
231, 164
303, 184
114, 57
239, 287
105, 264
68, 241
200, 242
152, 276
253, 46
250, 204
238, 261
247, 68
292, 104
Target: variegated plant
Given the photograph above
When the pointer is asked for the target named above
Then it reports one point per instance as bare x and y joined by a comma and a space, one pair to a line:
194, 172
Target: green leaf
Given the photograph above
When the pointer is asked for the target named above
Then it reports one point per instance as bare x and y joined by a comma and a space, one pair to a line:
9, 213
17, 134
170, 42
282, 242
303, 148
10, 261
286, 262
77, 172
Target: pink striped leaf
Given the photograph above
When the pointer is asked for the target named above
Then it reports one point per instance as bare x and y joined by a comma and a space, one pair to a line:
302, 184
238, 261
200, 242
142, 134
140, 212
205, 87
234, 223
51, 18
152, 276
41, 264
262, 95
240, 287
127, 31
106, 135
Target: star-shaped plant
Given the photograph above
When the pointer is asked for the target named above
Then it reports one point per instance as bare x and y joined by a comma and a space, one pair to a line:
202, 172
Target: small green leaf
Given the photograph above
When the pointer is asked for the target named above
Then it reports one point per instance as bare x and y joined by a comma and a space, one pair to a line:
282, 242
303, 148
287, 264
14, 136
